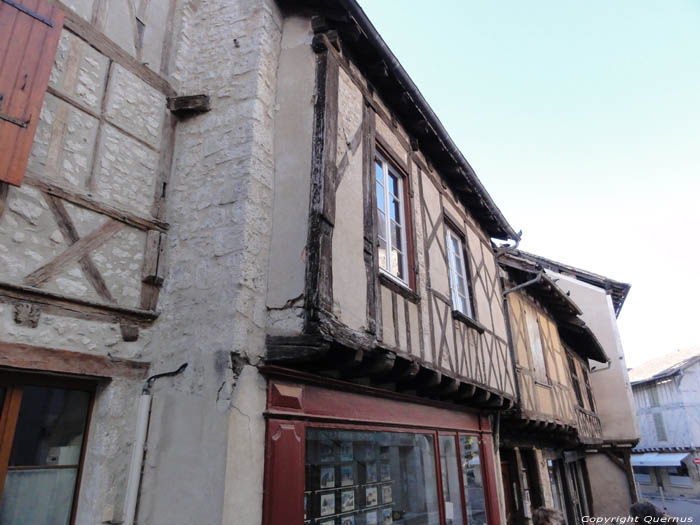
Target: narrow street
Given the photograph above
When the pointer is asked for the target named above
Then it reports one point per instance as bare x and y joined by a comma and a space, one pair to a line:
678, 507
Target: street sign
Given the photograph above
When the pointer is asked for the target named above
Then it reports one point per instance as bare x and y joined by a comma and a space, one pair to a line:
696, 461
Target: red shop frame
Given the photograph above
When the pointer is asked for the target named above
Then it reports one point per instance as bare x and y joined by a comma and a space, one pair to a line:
293, 405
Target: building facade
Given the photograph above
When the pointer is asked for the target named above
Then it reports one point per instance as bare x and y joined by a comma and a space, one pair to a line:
668, 407
247, 277
554, 445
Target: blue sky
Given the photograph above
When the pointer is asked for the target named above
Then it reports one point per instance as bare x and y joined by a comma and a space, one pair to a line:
582, 119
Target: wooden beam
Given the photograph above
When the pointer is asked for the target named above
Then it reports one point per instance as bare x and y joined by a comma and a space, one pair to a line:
4, 190
38, 358
59, 304
189, 104
72, 254
86, 200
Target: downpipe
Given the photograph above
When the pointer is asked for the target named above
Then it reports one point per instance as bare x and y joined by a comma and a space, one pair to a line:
137, 452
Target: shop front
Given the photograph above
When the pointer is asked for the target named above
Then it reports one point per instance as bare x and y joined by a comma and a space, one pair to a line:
345, 454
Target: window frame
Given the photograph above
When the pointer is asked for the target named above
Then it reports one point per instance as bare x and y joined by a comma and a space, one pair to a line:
452, 231
14, 383
540, 374
383, 157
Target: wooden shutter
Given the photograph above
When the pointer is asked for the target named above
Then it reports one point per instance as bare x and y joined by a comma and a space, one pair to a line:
29, 32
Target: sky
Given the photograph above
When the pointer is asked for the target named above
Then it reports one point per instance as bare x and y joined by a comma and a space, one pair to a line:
582, 120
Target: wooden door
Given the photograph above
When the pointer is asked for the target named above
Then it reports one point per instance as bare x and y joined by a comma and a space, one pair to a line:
509, 493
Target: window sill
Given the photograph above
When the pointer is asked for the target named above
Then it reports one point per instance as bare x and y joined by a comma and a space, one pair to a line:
398, 287
542, 383
471, 323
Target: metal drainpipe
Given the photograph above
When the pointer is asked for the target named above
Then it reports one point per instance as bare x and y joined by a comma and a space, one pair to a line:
526, 283
134, 475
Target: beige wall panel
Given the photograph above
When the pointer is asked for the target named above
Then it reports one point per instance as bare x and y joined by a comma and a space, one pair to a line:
398, 129
82, 7
387, 319
349, 274
414, 322
610, 493
293, 131
439, 276
453, 212
401, 319
443, 336
389, 136
120, 24
544, 396
64, 143
154, 32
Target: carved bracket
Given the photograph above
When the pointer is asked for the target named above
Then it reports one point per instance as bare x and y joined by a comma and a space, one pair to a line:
27, 314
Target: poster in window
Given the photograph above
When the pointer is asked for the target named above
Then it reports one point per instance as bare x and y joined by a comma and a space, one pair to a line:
385, 472
371, 518
306, 498
386, 494
370, 496
346, 451
326, 452
327, 477
326, 522
347, 500
387, 518
327, 504
346, 476
347, 520
371, 473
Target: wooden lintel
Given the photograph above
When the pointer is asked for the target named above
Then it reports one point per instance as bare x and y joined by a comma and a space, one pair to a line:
185, 105
59, 304
37, 358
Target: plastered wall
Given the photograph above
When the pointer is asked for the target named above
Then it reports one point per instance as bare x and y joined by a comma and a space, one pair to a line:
608, 382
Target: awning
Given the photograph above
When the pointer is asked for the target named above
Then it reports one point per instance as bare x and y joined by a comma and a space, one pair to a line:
658, 459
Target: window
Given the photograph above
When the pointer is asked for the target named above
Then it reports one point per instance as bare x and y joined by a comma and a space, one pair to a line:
679, 476
473, 482
41, 450
536, 351
574, 379
461, 298
589, 390
391, 220
659, 426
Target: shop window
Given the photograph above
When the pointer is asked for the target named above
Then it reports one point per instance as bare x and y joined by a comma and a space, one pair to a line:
459, 278
392, 221
679, 476
472, 480
642, 475
370, 478
555, 482
41, 449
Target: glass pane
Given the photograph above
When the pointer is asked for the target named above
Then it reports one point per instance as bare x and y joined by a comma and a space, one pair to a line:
38, 496
45, 455
379, 173
50, 427
395, 210
397, 266
370, 478
380, 197
381, 224
396, 240
461, 286
451, 493
393, 185
473, 484
455, 246
382, 254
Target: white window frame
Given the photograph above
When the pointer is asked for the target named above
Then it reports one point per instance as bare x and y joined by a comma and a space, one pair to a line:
387, 169
457, 267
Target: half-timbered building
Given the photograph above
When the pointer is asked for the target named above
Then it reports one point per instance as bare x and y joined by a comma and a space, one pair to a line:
553, 442
247, 277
